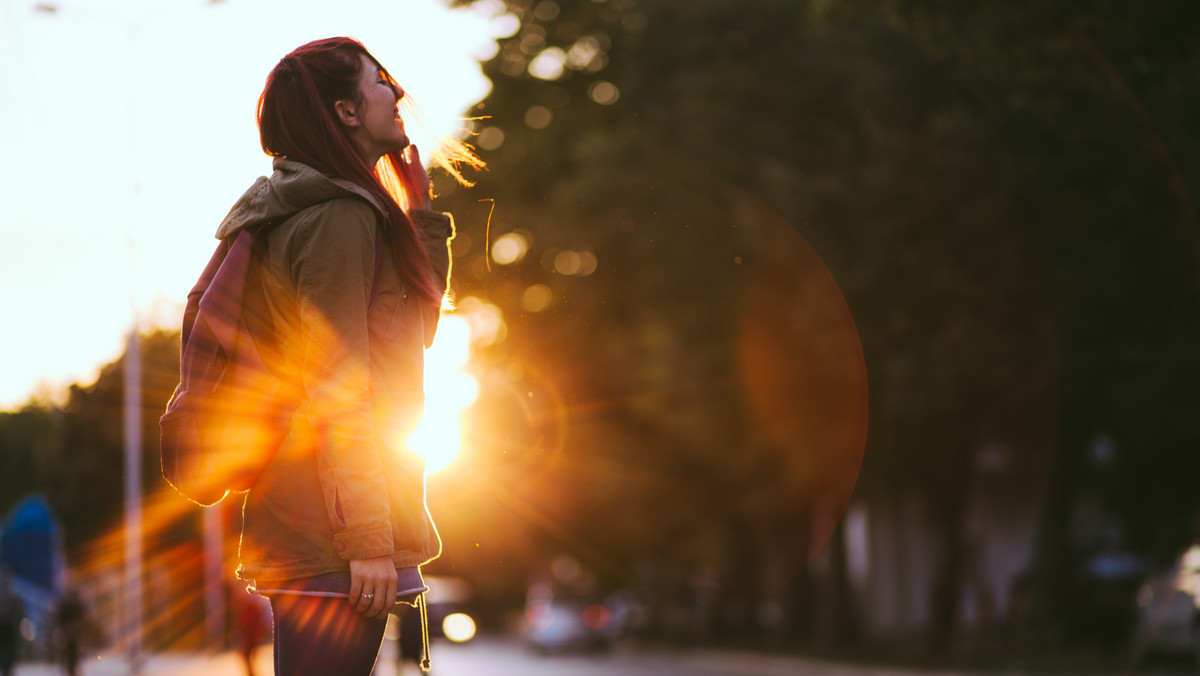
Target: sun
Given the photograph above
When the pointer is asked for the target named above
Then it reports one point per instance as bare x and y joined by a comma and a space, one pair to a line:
449, 390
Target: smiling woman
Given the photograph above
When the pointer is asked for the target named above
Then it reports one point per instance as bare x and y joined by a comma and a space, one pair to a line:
373, 120
344, 299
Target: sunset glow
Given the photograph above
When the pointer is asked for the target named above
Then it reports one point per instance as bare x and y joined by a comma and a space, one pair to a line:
448, 391
108, 259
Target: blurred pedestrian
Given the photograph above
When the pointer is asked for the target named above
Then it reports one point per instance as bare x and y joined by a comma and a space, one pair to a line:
249, 626
11, 614
70, 622
354, 267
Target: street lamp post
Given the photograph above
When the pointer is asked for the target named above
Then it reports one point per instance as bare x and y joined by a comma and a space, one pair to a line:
133, 498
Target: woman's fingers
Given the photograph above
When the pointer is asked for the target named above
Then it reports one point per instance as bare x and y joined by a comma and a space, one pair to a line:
377, 602
368, 600
356, 589
414, 180
372, 597
389, 597
372, 585
361, 600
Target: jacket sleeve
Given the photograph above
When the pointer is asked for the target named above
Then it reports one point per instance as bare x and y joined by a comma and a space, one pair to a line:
334, 272
435, 229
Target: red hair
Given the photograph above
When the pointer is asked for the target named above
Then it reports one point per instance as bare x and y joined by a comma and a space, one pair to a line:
297, 121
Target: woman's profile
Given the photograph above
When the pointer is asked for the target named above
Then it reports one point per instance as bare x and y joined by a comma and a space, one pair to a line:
353, 266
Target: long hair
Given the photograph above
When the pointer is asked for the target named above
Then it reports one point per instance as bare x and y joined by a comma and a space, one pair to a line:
297, 121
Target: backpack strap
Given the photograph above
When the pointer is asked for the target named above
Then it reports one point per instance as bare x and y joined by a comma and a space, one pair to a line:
206, 278
230, 277
249, 249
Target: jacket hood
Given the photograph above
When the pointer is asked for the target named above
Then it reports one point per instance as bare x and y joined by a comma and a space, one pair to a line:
292, 188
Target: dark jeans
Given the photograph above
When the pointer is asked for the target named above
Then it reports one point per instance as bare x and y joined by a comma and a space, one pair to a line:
317, 636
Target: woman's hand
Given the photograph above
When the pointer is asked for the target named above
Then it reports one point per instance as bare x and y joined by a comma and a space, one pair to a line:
373, 586
414, 180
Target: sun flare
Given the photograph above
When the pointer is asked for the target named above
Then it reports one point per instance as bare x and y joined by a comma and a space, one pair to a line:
448, 392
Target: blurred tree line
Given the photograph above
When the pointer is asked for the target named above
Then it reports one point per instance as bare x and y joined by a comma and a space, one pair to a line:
74, 453
1003, 192
746, 225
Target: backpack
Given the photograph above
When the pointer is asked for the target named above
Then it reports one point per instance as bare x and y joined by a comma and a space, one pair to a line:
229, 413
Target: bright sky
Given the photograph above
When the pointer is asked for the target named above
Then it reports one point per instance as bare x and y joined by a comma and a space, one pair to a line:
127, 132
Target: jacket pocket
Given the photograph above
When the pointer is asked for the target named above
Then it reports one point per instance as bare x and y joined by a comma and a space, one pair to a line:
386, 318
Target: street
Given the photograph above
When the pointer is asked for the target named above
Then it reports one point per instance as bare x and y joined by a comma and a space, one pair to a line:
510, 658
491, 657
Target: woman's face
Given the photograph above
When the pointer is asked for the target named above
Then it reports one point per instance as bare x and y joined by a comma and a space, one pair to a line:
376, 126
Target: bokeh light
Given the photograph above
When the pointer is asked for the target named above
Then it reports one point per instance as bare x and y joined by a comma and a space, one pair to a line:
486, 320
490, 138
549, 64
536, 297
509, 248
458, 627
604, 93
538, 117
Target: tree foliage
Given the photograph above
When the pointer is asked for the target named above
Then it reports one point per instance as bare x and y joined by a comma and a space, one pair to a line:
75, 453
1002, 192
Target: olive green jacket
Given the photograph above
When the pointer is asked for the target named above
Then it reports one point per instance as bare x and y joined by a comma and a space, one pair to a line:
342, 486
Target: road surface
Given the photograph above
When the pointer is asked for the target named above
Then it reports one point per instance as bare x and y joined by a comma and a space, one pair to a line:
487, 656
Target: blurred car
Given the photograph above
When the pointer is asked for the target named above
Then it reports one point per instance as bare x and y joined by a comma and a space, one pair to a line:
1168, 621
557, 621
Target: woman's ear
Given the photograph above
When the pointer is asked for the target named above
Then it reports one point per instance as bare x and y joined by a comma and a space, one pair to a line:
347, 113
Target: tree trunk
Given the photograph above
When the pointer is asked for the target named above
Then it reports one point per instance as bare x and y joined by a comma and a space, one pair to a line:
950, 517
1049, 574
800, 611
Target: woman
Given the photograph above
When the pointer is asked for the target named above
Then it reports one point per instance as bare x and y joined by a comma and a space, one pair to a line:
354, 267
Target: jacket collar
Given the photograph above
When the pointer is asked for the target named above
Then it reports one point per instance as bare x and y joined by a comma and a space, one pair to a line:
292, 188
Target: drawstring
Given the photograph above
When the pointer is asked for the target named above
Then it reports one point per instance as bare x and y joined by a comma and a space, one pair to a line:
423, 609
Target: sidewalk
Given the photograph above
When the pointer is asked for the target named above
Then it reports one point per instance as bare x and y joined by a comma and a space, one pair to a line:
504, 656
184, 664
160, 664
492, 657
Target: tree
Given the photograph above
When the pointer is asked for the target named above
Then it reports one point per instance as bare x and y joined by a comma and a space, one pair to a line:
954, 167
